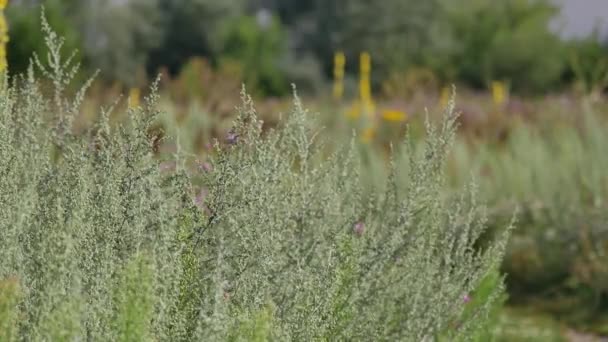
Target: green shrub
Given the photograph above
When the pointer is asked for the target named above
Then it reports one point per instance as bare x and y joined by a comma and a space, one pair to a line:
77, 210
589, 64
341, 266
556, 175
279, 245
191, 28
9, 313
257, 50
134, 301
508, 40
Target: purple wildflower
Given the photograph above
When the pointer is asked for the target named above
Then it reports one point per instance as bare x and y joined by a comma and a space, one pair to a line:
466, 298
359, 228
232, 138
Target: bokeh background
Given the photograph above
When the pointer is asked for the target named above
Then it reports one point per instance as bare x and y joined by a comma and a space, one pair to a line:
269, 44
531, 79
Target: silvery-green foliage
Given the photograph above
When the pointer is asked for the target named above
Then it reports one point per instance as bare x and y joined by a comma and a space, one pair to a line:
9, 297
289, 231
77, 211
133, 301
283, 246
556, 175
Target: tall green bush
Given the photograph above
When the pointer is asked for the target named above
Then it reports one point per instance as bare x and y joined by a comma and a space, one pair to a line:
120, 37
191, 28
589, 64
258, 51
280, 243
368, 268
509, 40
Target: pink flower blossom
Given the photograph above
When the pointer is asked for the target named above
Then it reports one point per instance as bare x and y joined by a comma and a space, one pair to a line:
359, 228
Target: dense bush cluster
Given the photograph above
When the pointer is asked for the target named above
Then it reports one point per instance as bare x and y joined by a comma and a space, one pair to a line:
276, 243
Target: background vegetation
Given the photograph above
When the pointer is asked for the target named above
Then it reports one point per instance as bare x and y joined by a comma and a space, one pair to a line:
472, 42
531, 133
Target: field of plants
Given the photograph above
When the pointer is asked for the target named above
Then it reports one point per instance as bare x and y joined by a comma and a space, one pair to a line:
214, 202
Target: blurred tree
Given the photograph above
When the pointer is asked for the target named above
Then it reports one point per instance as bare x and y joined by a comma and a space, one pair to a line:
115, 36
257, 44
504, 39
191, 28
588, 64
393, 31
120, 36
469, 41
474, 41
26, 34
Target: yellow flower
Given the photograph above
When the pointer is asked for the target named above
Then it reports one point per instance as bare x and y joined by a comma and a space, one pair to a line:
3, 37
3, 4
394, 115
499, 93
365, 88
134, 98
3, 25
365, 63
339, 63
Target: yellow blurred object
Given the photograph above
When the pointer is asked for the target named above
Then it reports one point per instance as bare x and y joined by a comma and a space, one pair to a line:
339, 63
368, 134
365, 105
394, 115
4, 38
365, 63
499, 93
134, 95
354, 111
365, 88
369, 108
